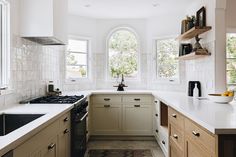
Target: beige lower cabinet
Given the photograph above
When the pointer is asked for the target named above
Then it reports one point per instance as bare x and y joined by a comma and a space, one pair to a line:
53, 141
121, 114
137, 119
106, 119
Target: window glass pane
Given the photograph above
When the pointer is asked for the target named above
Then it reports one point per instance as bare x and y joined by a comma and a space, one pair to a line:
167, 62
123, 54
76, 72
231, 46
76, 59
231, 64
231, 59
78, 45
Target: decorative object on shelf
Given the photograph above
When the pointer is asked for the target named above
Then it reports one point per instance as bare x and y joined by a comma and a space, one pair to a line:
184, 26
191, 86
185, 49
197, 45
201, 17
191, 22
121, 86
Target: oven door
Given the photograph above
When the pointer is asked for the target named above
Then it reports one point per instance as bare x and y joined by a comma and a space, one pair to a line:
78, 139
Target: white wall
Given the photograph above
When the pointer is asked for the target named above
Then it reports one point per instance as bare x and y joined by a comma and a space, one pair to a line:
32, 65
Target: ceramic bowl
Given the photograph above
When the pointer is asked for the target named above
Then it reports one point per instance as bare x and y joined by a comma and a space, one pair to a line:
220, 99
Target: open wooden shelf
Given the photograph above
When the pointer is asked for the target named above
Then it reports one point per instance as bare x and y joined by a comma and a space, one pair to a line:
193, 32
194, 55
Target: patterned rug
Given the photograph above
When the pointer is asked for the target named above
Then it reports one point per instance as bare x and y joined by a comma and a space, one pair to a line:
120, 153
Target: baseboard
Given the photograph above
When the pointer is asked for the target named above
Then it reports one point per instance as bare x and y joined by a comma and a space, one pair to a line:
122, 138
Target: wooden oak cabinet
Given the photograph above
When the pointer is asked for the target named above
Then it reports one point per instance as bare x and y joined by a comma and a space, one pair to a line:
53, 141
188, 138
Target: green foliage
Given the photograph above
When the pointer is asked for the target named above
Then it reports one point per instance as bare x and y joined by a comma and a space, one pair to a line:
166, 58
70, 59
123, 48
231, 63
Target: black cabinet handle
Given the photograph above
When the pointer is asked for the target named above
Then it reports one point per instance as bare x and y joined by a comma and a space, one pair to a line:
137, 106
51, 146
174, 115
195, 133
155, 102
66, 119
137, 99
175, 136
107, 106
156, 115
66, 131
107, 99
157, 131
163, 142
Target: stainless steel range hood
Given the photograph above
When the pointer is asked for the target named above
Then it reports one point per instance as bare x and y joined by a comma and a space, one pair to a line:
45, 40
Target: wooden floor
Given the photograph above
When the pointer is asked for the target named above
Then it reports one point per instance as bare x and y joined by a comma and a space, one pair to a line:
103, 144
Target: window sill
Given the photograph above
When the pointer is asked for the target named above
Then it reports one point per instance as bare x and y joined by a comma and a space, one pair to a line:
6, 92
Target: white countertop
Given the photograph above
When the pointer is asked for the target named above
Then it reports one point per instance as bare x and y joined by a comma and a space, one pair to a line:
217, 118
51, 111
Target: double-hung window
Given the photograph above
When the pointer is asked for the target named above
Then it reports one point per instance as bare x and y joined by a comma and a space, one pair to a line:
77, 59
231, 59
167, 64
4, 44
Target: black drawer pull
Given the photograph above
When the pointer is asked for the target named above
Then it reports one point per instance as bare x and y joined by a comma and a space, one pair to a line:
156, 115
137, 99
157, 131
175, 136
156, 102
107, 99
174, 115
51, 146
66, 131
107, 106
137, 105
196, 133
66, 119
163, 142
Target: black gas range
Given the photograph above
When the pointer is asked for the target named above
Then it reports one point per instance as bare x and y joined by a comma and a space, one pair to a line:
78, 119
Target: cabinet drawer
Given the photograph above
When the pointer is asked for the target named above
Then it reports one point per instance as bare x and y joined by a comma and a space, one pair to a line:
177, 136
138, 98
106, 99
65, 121
174, 150
163, 141
176, 118
200, 136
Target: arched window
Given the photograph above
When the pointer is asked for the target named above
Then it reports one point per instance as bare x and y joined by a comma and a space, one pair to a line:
123, 53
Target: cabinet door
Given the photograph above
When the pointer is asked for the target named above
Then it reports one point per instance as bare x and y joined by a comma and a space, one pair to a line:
106, 119
194, 150
137, 119
64, 143
50, 150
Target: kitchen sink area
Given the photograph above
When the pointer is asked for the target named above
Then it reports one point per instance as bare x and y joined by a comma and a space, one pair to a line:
11, 122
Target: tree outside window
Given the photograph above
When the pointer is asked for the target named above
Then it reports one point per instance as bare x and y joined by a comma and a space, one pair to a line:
123, 54
167, 62
231, 59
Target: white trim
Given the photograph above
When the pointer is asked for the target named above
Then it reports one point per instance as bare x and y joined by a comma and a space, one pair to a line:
155, 77
5, 56
89, 61
132, 30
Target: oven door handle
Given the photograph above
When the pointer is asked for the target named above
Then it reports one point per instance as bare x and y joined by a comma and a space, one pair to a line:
85, 115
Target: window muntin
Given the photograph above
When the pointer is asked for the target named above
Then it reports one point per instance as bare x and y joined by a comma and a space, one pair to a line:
123, 54
77, 59
4, 44
167, 51
231, 59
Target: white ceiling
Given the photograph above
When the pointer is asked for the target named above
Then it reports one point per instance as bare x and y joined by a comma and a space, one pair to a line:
126, 8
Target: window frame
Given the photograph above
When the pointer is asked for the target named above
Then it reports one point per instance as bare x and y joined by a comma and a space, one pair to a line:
77, 80
107, 71
5, 42
228, 85
156, 78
